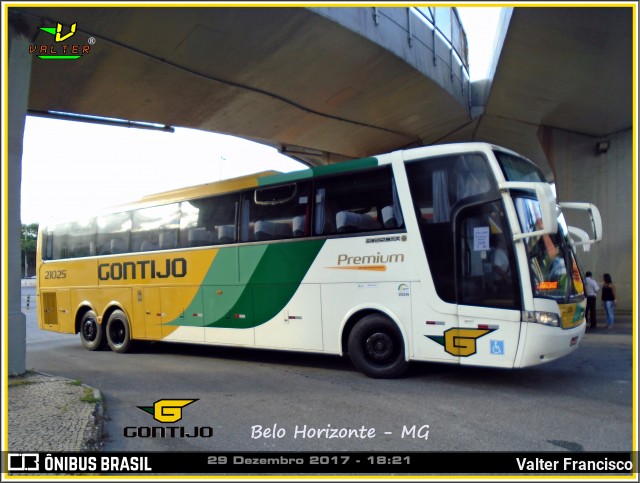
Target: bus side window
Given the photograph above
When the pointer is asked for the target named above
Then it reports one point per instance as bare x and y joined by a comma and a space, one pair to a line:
275, 212
114, 232
168, 239
357, 202
155, 228
325, 214
192, 232
148, 245
56, 242
209, 221
198, 237
81, 239
48, 245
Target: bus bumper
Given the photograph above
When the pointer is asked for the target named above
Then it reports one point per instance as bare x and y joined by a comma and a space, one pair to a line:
544, 344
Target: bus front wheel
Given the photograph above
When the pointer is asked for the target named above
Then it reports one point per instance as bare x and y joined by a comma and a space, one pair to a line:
118, 333
376, 347
91, 333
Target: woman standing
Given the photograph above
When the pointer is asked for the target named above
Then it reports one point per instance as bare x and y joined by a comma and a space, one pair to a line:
608, 298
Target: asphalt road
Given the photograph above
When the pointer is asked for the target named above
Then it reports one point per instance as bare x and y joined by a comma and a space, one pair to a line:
580, 403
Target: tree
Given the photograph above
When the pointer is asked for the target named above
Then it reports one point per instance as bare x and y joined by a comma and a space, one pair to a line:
28, 241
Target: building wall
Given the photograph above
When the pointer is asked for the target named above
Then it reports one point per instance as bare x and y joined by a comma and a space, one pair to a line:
605, 180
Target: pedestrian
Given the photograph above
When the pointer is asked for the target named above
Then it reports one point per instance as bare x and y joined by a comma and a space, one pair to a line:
609, 299
591, 288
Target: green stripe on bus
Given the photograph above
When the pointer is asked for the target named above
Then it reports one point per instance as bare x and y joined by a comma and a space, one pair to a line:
284, 178
249, 285
302, 175
345, 166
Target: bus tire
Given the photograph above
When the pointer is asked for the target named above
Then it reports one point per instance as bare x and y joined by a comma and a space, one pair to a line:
118, 332
91, 332
376, 347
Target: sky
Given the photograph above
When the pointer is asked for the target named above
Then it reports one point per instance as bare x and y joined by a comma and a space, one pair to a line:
71, 168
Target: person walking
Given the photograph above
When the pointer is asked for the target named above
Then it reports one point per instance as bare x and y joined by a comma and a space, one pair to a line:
591, 288
609, 299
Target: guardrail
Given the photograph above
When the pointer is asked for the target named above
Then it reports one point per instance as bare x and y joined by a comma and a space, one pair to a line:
444, 23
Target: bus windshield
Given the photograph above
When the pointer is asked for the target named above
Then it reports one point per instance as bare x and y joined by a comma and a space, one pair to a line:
516, 168
549, 256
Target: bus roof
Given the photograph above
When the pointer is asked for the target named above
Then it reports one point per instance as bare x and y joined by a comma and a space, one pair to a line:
264, 178
205, 189
315, 171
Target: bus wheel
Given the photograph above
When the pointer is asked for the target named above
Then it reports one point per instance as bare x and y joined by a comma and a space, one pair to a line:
91, 333
118, 334
376, 347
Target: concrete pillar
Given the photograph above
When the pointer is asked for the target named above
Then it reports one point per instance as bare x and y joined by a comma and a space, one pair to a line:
606, 180
19, 79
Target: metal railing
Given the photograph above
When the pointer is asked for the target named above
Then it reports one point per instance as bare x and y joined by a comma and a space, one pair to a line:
445, 24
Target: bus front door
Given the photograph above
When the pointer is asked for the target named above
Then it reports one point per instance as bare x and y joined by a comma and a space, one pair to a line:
487, 287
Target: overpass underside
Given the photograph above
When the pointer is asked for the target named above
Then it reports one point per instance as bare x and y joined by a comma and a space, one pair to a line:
295, 78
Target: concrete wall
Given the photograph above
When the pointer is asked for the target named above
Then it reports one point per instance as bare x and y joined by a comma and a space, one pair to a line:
605, 180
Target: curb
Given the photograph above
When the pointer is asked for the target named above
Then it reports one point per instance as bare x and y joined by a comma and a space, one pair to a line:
94, 432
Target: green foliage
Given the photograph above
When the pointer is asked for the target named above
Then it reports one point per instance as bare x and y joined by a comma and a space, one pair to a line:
89, 397
28, 242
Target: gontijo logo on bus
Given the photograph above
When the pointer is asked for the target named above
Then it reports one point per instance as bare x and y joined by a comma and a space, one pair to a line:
460, 342
60, 50
143, 269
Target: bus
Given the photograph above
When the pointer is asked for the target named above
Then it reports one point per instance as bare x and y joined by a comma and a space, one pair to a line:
456, 253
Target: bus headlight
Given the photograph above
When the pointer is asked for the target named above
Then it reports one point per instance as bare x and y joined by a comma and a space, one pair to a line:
544, 318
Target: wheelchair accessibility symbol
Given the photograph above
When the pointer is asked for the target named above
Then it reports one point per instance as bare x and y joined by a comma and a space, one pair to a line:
497, 347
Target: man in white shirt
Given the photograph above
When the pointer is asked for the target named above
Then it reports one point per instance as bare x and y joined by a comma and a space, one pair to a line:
591, 288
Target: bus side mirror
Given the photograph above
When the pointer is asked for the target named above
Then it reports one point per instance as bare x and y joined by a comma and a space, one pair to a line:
596, 223
582, 235
546, 201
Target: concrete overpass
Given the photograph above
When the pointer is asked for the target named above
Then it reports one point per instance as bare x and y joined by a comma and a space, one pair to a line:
333, 81
327, 84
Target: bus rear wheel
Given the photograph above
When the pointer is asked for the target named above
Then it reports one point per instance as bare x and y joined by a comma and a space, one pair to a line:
376, 347
118, 332
91, 333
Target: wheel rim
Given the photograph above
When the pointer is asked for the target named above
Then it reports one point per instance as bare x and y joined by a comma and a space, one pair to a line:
117, 332
90, 330
380, 348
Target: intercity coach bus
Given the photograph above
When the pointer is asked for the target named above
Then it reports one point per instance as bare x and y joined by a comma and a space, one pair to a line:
453, 253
